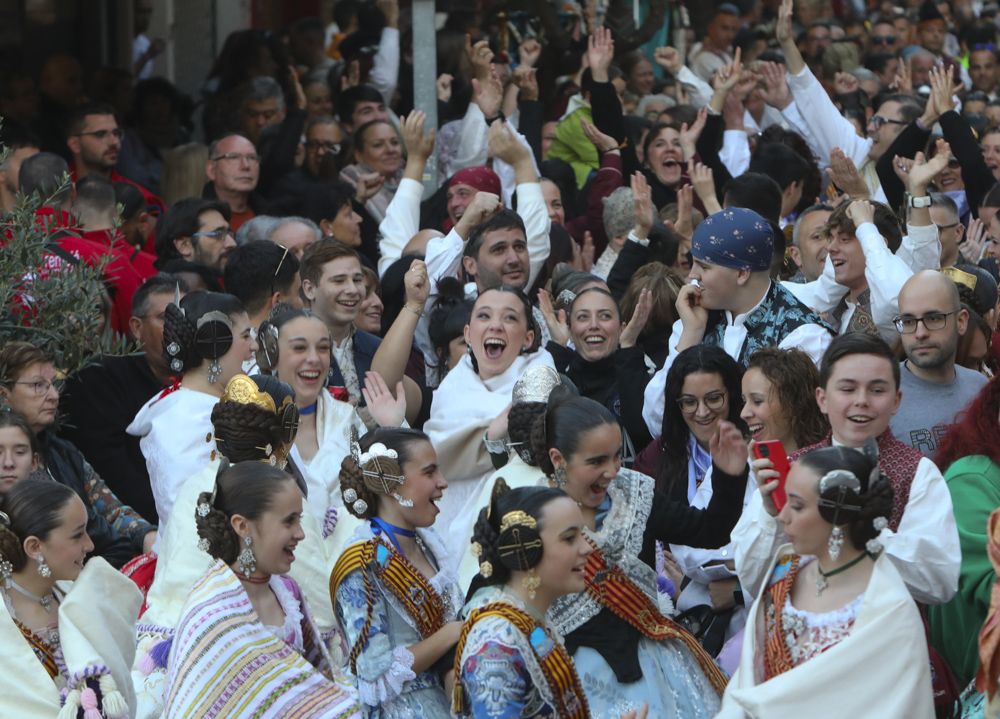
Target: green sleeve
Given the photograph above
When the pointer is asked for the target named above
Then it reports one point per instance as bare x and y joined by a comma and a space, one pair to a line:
571, 144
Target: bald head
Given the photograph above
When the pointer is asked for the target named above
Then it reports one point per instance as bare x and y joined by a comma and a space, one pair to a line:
418, 243
928, 286
931, 320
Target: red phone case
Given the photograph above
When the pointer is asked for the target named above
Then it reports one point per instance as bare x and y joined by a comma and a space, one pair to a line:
773, 450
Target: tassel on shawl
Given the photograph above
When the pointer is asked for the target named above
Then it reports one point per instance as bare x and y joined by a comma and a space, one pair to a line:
115, 706
70, 707
91, 707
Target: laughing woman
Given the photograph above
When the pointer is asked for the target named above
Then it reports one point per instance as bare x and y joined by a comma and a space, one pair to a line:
472, 403
626, 651
395, 597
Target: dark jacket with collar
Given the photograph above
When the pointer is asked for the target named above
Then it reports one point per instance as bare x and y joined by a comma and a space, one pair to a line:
365, 345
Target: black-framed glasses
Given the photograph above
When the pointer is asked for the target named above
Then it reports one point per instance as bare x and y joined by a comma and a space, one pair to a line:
907, 324
215, 234
878, 121
41, 386
332, 147
883, 39
237, 157
713, 400
117, 133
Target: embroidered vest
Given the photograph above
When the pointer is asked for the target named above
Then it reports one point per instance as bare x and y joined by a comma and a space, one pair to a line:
776, 317
861, 320
897, 461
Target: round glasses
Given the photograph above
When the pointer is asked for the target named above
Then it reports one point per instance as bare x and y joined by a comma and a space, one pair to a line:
689, 403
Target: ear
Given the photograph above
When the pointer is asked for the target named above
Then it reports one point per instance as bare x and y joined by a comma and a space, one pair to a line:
274, 299
185, 247
899, 398
134, 323
210, 170
556, 457
146, 223
529, 340
821, 399
34, 461
240, 525
309, 291
73, 143
326, 226
465, 334
470, 266
796, 256
742, 277
962, 321
32, 547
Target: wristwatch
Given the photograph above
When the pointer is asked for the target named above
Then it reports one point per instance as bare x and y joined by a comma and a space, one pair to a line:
920, 202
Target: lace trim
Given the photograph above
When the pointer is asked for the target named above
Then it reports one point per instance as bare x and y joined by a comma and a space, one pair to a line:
846, 614
291, 631
620, 538
389, 685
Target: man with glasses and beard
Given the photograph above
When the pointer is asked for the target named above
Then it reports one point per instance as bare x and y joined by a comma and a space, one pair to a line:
935, 389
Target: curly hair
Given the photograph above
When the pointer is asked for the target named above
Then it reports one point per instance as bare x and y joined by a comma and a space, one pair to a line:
486, 532
521, 423
975, 430
400, 439
247, 489
180, 325
875, 499
34, 508
793, 375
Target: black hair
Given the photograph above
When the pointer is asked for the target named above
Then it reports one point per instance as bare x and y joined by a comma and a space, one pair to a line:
528, 314
256, 270
128, 196
449, 316
754, 191
984, 297
183, 219
95, 192
856, 343
875, 498
77, 118
14, 136
393, 289
990, 199
486, 532
779, 162
43, 173
157, 284
503, 220
706, 359
209, 276
351, 97
324, 201
247, 489
180, 327
399, 439
33, 507
567, 417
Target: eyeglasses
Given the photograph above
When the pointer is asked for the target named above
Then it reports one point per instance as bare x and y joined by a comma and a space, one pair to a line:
907, 325
333, 147
215, 234
942, 228
238, 157
117, 133
883, 39
41, 386
878, 121
713, 400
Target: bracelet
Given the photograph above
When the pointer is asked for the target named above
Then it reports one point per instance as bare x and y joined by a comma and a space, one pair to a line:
494, 446
490, 120
418, 313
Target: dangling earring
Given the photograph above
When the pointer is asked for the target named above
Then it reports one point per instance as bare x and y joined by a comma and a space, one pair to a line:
531, 583
6, 572
833, 545
248, 562
214, 371
43, 568
402, 501
560, 475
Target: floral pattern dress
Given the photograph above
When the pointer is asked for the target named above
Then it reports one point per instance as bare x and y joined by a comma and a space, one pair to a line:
387, 685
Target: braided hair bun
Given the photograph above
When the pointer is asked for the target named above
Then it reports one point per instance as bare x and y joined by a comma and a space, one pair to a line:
198, 329
31, 508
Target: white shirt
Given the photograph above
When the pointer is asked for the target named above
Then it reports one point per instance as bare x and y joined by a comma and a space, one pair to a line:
925, 548
810, 338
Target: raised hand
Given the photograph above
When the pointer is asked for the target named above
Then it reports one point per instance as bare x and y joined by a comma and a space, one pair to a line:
488, 94
526, 81
385, 409
903, 82
669, 59
860, 212
556, 321
642, 196
416, 143
603, 143
300, 94
923, 171
685, 203
728, 75
844, 83
444, 82
783, 27
635, 325
416, 286
976, 240
704, 185
480, 57
775, 92
529, 52
483, 206
351, 77
504, 145
846, 176
368, 186
942, 89
728, 449
689, 135
600, 53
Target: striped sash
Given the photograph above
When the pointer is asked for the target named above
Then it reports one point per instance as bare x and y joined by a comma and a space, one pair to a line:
614, 590
777, 655
552, 657
46, 654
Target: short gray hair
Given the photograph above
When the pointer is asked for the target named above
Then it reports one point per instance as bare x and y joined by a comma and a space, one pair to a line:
939, 199
291, 220
619, 212
260, 88
256, 229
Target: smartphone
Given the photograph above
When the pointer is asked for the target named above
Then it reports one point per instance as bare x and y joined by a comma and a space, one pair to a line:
774, 451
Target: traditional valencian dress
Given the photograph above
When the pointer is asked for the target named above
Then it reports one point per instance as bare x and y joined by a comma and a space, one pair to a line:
385, 605
463, 407
626, 651
511, 663
181, 564
84, 661
225, 663
867, 659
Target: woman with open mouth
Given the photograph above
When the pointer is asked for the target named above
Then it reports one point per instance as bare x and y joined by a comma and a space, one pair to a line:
471, 405
394, 593
245, 619
51, 631
626, 649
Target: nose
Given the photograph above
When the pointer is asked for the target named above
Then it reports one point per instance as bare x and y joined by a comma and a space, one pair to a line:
921, 329
53, 391
89, 544
299, 534
230, 241
442, 483
7, 458
746, 413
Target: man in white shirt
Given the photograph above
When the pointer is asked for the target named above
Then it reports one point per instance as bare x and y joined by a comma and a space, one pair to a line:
714, 50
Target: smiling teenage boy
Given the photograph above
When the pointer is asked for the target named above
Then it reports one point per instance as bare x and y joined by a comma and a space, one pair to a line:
859, 394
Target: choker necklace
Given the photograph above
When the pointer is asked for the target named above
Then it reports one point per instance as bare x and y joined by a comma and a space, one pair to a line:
254, 580
45, 601
821, 580
311, 409
391, 531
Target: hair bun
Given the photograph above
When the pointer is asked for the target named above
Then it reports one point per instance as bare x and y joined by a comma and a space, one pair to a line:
450, 291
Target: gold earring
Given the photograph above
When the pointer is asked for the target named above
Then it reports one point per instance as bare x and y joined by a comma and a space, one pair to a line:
531, 583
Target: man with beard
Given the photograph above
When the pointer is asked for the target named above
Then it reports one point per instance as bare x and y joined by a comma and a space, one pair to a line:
197, 231
94, 140
935, 389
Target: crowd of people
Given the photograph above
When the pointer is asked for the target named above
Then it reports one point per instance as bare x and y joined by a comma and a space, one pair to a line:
676, 395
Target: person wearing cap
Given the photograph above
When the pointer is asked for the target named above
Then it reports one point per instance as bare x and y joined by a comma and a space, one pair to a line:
935, 390
731, 302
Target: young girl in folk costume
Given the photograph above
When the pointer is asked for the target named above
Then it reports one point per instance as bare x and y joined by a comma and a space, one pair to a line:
246, 640
61, 646
295, 347
626, 650
834, 612
511, 661
395, 597
255, 421
206, 340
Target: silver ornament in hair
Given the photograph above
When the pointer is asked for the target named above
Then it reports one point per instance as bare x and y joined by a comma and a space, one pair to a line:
204, 509
173, 349
839, 478
360, 506
566, 298
880, 523
350, 495
4, 519
535, 385
204, 545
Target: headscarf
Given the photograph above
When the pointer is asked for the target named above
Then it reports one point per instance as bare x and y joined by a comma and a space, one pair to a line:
737, 238
482, 178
